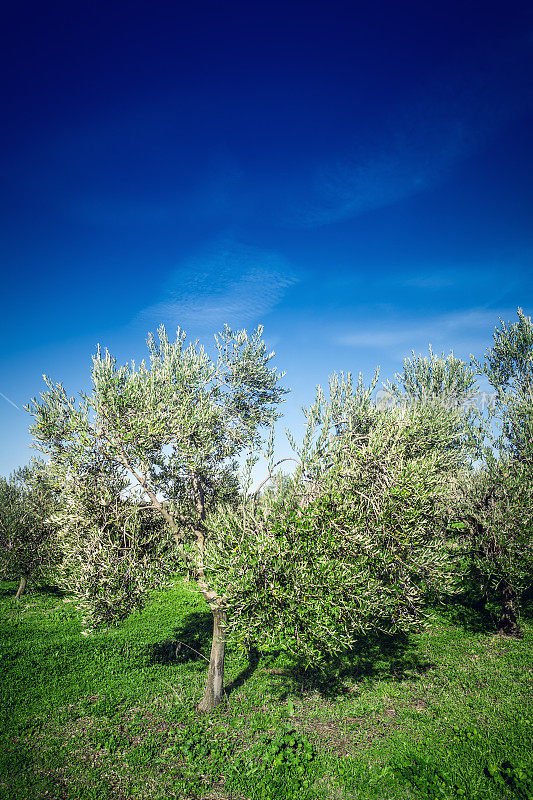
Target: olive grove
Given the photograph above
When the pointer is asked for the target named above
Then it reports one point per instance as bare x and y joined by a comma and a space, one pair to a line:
385, 509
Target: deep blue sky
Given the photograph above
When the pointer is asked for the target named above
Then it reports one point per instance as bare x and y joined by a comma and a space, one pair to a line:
355, 178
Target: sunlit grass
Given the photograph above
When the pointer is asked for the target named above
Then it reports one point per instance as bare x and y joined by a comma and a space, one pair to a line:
443, 714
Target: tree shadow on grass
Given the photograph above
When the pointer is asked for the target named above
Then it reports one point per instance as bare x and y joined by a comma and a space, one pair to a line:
527, 603
50, 590
477, 614
469, 612
372, 657
254, 657
46, 589
191, 641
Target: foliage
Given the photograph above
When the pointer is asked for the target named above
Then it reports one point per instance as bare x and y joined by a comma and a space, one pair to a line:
112, 556
447, 380
11, 516
439, 382
508, 366
366, 541
497, 507
282, 486
497, 503
220, 486
27, 501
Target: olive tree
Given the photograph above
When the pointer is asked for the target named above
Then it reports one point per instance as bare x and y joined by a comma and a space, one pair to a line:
13, 517
114, 549
357, 542
442, 382
490, 515
27, 545
497, 504
180, 420
493, 502
497, 512
508, 367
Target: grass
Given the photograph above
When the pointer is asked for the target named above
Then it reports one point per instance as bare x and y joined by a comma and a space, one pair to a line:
443, 714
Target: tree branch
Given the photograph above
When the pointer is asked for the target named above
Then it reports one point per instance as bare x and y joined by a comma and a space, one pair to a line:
268, 477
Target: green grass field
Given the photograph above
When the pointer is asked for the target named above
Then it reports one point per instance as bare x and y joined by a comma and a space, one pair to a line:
443, 714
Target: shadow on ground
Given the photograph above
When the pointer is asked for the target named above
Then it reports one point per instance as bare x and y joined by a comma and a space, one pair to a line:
374, 657
33, 588
190, 642
51, 591
527, 603
470, 612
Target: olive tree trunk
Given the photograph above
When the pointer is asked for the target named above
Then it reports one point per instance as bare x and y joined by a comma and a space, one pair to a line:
508, 619
22, 586
214, 690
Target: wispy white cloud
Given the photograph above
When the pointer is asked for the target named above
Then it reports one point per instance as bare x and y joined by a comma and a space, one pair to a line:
431, 281
421, 140
229, 282
370, 179
459, 329
503, 270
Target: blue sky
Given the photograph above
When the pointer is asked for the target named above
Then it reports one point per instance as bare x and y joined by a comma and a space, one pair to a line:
356, 179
